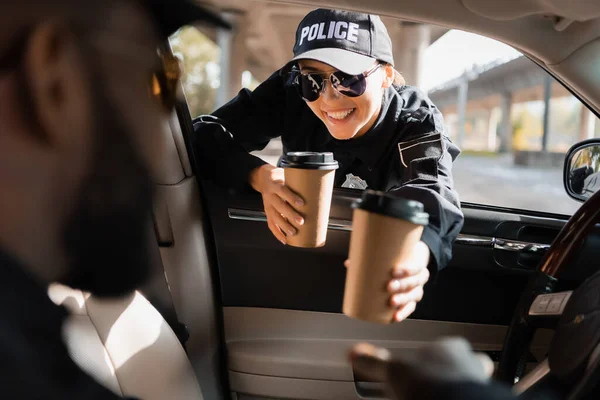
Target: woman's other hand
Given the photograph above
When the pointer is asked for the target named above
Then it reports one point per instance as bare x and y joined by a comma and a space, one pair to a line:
408, 280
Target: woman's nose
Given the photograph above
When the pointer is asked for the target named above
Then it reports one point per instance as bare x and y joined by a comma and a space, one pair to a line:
329, 92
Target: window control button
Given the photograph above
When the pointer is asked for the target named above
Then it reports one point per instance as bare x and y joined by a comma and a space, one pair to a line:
550, 304
554, 307
540, 304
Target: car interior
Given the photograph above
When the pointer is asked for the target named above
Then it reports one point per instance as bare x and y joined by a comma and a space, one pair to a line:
264, 321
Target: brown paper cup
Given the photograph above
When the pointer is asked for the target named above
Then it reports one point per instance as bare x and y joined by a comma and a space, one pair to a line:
378, 243
316, 189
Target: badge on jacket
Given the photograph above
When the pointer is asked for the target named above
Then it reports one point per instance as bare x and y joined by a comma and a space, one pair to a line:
354, 182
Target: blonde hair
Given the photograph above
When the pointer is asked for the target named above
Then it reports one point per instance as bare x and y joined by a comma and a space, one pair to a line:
398, 78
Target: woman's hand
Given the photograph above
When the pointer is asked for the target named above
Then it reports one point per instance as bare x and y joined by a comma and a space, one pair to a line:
278, 201
408, 279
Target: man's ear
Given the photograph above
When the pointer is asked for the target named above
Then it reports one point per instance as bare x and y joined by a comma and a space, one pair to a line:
388, 76
55, 70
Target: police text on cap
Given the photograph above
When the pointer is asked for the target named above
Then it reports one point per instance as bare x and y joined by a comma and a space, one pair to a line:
337, 30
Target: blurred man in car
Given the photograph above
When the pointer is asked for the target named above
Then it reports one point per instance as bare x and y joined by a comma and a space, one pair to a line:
75, 186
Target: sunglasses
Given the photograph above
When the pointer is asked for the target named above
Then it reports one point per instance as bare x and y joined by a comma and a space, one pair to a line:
310, 86
165, 83
164, 80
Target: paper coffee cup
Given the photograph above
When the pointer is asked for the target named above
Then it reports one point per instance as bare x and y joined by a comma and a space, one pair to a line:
385, 229
311, 176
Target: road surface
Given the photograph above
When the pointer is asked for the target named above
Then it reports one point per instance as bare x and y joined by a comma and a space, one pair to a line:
495, 180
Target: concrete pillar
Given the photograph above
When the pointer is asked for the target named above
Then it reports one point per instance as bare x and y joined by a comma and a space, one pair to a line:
505, 123
233, 57
409, 47
450, 123
225, 43
238, 56
493, 122
587, 123
463, 92
547, 95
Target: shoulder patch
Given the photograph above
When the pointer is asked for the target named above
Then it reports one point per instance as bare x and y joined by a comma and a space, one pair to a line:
421, 147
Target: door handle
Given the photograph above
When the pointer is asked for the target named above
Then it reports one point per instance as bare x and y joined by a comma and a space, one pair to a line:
520, 247
502, 244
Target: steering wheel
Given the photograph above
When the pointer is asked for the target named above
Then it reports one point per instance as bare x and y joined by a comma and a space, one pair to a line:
574, 356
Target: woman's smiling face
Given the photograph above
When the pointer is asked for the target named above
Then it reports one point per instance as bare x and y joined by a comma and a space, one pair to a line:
348, 117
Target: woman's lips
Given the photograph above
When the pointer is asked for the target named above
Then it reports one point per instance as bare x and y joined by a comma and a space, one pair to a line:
339, 116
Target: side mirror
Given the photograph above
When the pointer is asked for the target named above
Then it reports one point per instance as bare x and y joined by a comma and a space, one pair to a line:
582, 169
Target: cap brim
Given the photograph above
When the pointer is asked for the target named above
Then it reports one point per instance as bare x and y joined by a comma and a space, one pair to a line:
342, 60
174, 14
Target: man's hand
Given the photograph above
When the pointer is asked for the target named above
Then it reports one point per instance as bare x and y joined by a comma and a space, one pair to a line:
411, 375
278, 201
407, 281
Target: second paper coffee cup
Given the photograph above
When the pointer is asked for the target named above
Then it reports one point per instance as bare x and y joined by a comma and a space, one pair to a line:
385, 229
311, 175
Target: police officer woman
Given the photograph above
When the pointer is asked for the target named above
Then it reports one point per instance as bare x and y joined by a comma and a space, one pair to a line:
340, 93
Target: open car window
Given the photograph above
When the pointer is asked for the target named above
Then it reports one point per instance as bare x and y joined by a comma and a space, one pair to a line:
512, 121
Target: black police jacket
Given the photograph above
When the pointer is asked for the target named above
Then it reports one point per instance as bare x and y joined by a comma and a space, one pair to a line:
406, 152
34, 360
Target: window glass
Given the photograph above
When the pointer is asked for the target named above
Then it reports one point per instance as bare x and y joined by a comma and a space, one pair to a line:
200, 57
513, 122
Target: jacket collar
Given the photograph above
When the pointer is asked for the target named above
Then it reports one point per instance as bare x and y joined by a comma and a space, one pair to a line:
25, 302
401, 106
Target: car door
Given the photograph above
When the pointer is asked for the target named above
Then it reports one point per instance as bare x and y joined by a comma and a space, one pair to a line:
284, 333
284, 330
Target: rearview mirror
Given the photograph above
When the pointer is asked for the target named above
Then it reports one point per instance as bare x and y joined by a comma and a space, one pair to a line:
582, 169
